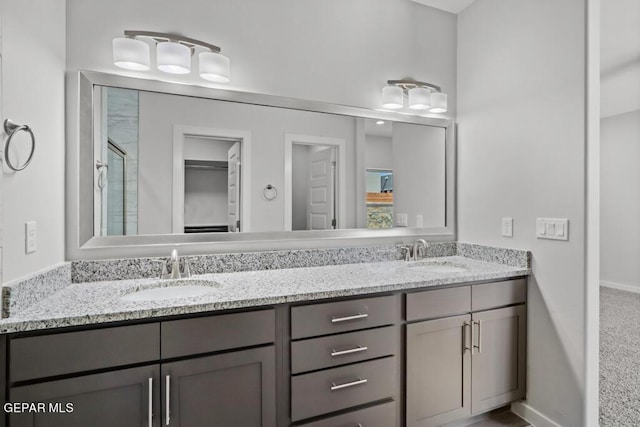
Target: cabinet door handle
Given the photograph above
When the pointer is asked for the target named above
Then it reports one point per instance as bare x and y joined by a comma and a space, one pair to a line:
347, 318
479, 346
464, 337
168, 398
359, 381
151, 402
357, 349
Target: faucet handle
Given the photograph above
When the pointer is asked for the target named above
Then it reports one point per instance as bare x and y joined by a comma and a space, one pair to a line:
186, 270
164, 273
407, 252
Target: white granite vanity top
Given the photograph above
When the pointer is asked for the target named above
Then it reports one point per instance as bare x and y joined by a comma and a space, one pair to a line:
100, 302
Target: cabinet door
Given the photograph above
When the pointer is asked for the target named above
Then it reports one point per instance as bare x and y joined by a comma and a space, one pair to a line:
499, 361
231, 389
438, 371
123, 398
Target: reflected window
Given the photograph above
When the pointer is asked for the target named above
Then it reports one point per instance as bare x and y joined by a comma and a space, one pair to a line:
379, 198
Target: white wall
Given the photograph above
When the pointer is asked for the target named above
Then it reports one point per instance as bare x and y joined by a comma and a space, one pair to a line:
521, 154
620, 57
620, 192
325, 50
419, 174
205, 196
378, 152
159, 113
33, 65
299, 185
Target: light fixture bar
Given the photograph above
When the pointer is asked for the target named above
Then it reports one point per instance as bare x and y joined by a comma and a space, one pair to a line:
164, 37
409, 83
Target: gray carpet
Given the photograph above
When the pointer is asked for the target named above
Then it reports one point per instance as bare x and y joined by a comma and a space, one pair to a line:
619, 358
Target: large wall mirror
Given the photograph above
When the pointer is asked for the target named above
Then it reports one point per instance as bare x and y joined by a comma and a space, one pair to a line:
162, 163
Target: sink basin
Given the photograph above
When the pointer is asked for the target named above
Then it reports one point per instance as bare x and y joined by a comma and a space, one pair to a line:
437, 266
172, 291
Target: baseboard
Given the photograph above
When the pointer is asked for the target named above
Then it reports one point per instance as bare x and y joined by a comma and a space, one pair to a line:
536, 418
620, 286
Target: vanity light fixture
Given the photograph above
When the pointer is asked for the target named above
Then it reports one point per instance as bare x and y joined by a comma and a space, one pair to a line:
422, 95
173, 55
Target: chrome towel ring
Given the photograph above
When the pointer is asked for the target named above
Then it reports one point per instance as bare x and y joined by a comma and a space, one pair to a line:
269, 193
11, 128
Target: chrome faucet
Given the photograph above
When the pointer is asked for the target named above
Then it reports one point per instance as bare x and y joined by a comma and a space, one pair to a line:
419, 249
174, 262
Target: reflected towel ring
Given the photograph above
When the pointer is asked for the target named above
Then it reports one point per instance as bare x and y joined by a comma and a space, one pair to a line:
269, 193
11, 128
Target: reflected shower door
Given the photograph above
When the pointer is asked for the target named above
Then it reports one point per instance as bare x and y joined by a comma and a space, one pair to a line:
116, 194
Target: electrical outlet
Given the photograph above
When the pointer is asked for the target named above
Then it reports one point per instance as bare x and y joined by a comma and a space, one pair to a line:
402, 220
30, 237
507, 227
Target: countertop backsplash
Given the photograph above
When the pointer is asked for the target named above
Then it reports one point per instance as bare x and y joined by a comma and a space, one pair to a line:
23, 293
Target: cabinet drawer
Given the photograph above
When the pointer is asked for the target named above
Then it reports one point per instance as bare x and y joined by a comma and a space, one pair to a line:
498, 294
333, 317
438, 303
340, 388
214, 333
69, 352
334, 350
376, 416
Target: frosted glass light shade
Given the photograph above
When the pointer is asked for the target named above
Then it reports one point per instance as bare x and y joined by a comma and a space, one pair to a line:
131, 54
214, 67
419, 98
438, 102
392, 97
174, 58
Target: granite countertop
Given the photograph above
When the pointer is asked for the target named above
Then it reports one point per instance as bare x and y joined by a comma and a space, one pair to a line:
100, 302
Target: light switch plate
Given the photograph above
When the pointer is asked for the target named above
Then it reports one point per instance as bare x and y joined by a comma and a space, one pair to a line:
30, 237
552, 228
507, 227
402, 220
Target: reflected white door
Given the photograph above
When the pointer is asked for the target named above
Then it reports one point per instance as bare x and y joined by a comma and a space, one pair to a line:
233, 193
322, 190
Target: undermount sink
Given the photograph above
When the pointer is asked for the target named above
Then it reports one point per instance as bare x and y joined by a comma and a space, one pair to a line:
438, 266
172, 290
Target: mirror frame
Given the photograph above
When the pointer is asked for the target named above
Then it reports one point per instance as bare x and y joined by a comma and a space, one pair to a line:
82, 244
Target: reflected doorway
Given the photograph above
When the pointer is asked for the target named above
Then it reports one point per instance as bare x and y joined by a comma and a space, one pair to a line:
314, 187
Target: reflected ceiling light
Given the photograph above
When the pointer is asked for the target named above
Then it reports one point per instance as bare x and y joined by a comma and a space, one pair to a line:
422, 95
173, 55
380, 122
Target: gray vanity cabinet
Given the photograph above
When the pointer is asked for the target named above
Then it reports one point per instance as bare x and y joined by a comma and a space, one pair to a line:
438, 371
123, 398
498, 363
230, 389
464, 364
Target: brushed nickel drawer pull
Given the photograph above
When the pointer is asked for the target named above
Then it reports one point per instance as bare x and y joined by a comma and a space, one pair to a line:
464, 337
167, 398
359, 381
347, 318
150, 402
357, 349
479, 346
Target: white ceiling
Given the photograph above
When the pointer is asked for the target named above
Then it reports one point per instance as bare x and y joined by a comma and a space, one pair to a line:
620, 56
453, 6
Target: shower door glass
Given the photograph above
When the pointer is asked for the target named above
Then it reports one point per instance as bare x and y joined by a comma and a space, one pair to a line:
116, 195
